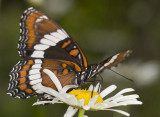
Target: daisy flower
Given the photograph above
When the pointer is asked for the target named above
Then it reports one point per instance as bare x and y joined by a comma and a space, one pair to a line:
90, 99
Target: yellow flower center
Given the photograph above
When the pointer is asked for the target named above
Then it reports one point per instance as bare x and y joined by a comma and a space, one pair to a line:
86, 95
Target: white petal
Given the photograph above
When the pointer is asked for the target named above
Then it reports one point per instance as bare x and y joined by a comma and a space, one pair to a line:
86, 107
123, 103
119, 111
81, 102
50, 91
125, 91
100, 106
70, 112
97, 87
69, 99
90, 88
112, 98
53, 78
108, 90
39, 87
72, 100
67, 87
127, 97
119, 94
93, 100
44, 102
137, 102
85, 116
130, 102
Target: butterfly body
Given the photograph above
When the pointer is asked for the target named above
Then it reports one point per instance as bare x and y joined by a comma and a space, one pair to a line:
44, 44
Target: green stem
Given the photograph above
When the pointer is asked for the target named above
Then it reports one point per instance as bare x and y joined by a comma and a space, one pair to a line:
81, 112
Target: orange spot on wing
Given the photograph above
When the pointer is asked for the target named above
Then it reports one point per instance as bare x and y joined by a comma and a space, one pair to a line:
22, 80
30, 62
65, 44
34, 93
83, 56
64, 65
49, 64
84, 59
26, 67
77, 68
28, 91
65, 71
74, 52
22, 87
22, 73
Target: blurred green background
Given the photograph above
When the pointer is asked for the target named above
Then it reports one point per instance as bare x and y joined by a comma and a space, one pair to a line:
101, 28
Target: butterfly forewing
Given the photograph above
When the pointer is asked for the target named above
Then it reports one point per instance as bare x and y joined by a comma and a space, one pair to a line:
113, 60
41, 37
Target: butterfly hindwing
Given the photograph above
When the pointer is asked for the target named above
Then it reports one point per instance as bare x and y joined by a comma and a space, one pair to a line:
19, 83
29, 79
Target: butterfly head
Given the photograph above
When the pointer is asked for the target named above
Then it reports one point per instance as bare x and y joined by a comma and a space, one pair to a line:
85, 75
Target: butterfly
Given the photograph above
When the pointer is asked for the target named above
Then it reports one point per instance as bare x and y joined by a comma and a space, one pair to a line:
44, 44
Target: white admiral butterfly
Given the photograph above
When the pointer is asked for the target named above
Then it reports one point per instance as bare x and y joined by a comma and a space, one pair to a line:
44, 44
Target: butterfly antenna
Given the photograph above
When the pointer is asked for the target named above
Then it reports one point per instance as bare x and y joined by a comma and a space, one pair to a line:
122, 75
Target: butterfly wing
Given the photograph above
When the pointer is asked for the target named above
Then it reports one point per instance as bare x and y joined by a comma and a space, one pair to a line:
41, 37
113, 60
28, 78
